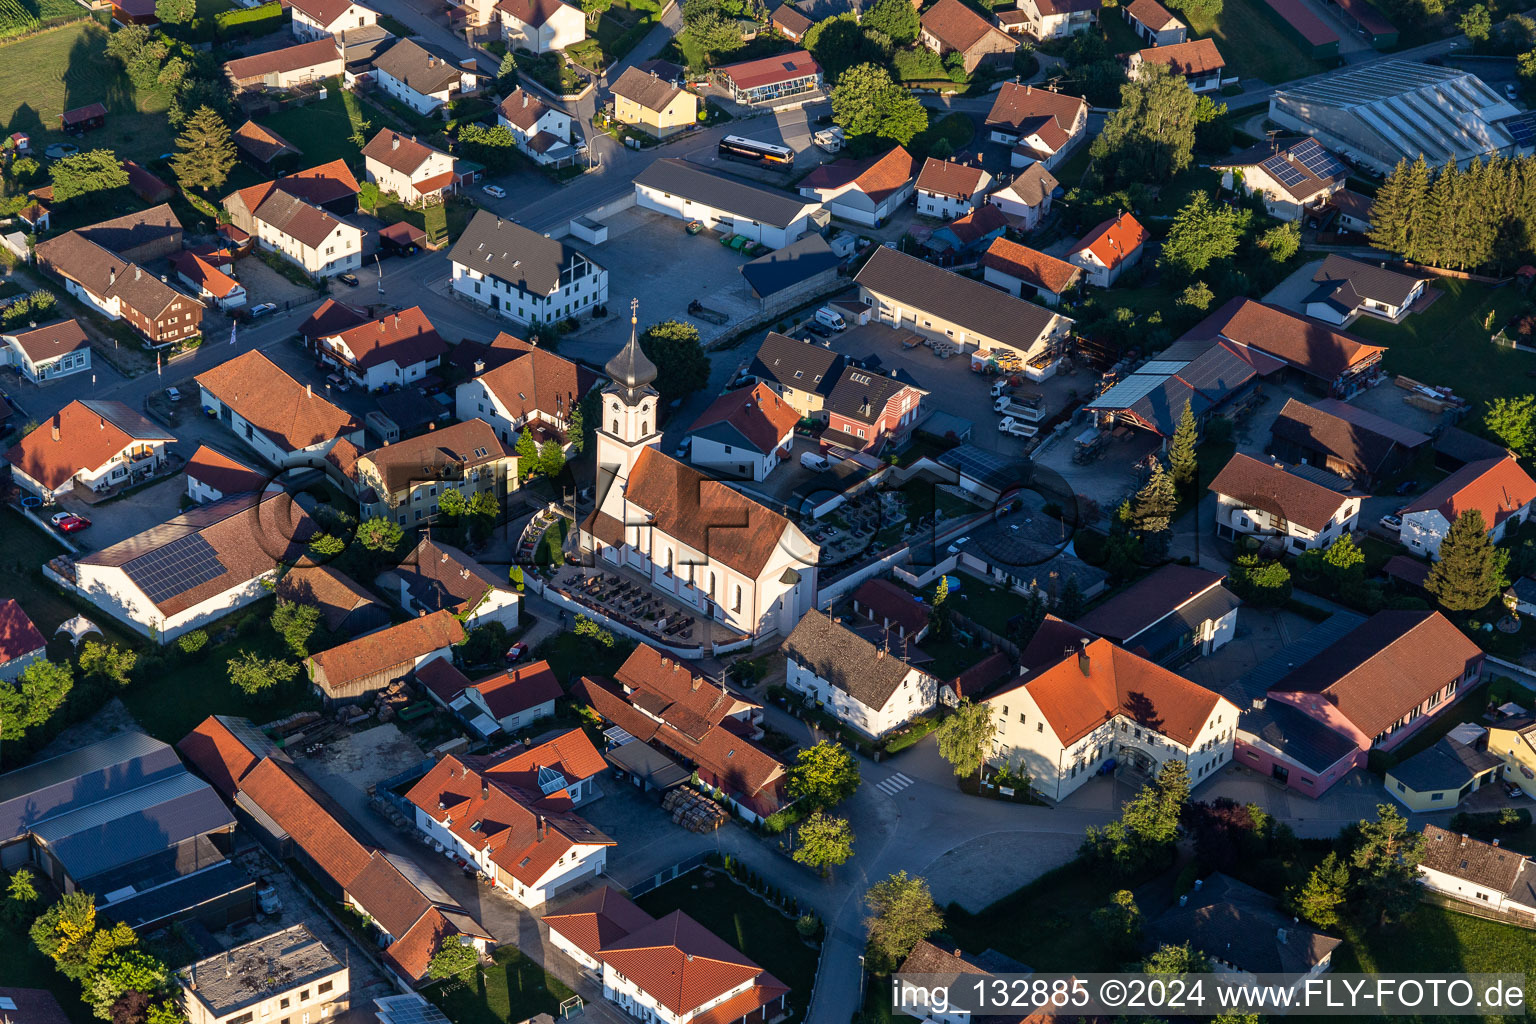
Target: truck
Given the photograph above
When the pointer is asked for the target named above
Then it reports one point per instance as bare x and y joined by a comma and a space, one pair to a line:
1018, 428
1021, 407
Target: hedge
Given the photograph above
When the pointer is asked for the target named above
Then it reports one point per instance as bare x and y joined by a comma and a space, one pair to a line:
251, 20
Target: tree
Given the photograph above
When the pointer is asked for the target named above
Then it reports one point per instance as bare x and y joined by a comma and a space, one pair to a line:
176, 12
1148, 825
206, 153
965, 737
1203, 233
326, 545
1476, 24
1513, 422
94, 170
896, 18
295, 623
506, 74
1324, 892
682, 366
40, 691
254, 675
63, 933
551, 458
527, 451
1151, 137
451, 503
824, 775
131, 970
716, 35
1119, 923
940, 615
1155, 504
1181, 451
1471, 569
1398, 211
454, 958
825, 842
1281, 241
164, 1012
866, 102
1343, 559
107, 661
1197, 297
20, 894
902, 914
838, 43
1260, 583
483, 506
1180, 959
1387, 855
380, 534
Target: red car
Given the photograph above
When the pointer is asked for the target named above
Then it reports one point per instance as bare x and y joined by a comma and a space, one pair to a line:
516, 651
68, 522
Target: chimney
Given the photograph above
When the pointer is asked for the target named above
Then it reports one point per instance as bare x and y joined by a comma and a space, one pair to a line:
1084, 663
309, 391
479, 367
55, 428
138, 272
397, 321
394, 142
1463, 839
101, 423
541, 828
693, 685
112, 276
1495, 842
432, 425
485, 789
879, 653
525, 101
1198, 883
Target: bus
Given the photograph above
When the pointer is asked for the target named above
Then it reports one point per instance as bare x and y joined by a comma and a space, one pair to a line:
734, 147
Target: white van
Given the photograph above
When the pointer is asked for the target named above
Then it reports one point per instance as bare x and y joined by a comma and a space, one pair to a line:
811, 460
828, 317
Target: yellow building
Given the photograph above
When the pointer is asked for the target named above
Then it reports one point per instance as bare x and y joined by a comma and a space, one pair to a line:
653, 104
1439, 778
1514, 741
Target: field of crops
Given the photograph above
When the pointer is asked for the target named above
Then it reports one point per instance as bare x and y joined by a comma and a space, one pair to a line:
21, 16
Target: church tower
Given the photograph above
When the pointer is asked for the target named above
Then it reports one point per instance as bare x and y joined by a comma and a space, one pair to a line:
628, 419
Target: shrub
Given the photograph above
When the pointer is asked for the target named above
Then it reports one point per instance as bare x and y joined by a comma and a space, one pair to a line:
192, 642
253, 21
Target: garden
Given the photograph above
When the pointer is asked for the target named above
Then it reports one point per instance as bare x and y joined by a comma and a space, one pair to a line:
510, 990
619, 28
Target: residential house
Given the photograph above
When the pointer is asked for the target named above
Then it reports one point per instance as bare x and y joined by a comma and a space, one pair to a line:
541, 25
672, 969
967, 234
909, 293
287, 971
94, 444
83, 119
653, 104
138, 237
1057, 19
330, 186
282, 421
408, 169
1026, 200
704, 544
45, 353
357, 669
1108, 250
730, 205
1356, 444
1061, 722
864, 191
438, 577
212, 475
424, 78
1514, 740
869, 411
1042, 126
361, 47
1347, 288
744, 433
1354, 210
1243, 931
211, 284
197, 567
770, 78
897, 612
525, 839
533, 387
31, 1006
1338, 364
288, 68
386, 353
948, 190
1498, 489
1441, 776
949, 26
790, 23
1174, 613
20, 642
346, 609
297, 216
507, 701
1197, 61
659, 700
316, 19
1154, 23
522, 275
263, 147
1485, 875
868, 687
1293, 175
541, 131
406, 481
1014, 267
1266, 499
119, 289
802, 373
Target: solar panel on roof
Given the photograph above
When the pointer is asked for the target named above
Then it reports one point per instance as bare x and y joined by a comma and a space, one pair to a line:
1129, 391
175, 568
1317, 159
1162, 366
1521, 127
1283, 171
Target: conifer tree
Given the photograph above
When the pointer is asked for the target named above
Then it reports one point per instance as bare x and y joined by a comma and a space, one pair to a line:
1181, 452
1470, 572
1155, 503
206, 153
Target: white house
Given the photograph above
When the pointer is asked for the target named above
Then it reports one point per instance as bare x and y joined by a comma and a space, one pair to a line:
730, 205
949, 190
210, 283
281, 420
426, 80
320, 244
1348, 288
212, 475
532, 384
1291, 175
48, 352
1015, 268
315, 19
1057, 19
541, 131
406, 168
1483, 874
1498, 489
531, 852
163, 583
1041, 126
95, 445
541, 25
866, 687
1170, 613
1027, 199
1266, 500
1197, 61
437, 576
390, 352
744, 433
523, 275
510, 700
1109, 249
865, 191
20, 642
1101, 702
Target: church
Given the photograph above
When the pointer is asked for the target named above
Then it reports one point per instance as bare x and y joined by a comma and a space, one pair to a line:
697, 539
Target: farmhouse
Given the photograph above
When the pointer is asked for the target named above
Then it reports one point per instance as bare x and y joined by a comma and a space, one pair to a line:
285, 423
1042, 126
949, 26
360, 668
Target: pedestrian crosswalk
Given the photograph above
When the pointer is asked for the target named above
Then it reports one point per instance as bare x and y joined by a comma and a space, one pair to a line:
893, 784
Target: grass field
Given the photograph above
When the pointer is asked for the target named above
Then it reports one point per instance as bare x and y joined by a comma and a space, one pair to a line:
67, 67
512, 990
766, 936
1252, 44
21, 577
321, 128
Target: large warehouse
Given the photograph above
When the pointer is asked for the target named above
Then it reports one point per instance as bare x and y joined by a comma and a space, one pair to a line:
1379, 114
680, 189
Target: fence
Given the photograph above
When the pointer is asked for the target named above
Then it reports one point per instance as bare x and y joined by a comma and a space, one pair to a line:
386, 789
666, 875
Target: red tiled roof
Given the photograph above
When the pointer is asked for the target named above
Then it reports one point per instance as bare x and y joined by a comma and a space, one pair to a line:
328, 589
222, 473
18, 636
1114, 239
877, 176
597, 919
289, 58
292, 416
534, 380
1030, 265
344, 455
980, 222
411, 954
398, 152
403, 338
531, 12
205, 275
1193, 57
263, 143
280, 796
320, 184
1497, 488
571, 754
332, 317
221, 757
1024, 108
442, 678
956, 26
785, 67
947, 178
378, 652
324, 12
757, 413
518, 689
1305, 344
388, 896
881, 599
1152, 14
88, 436
51, 340
522, 108
679, 962
1267, 487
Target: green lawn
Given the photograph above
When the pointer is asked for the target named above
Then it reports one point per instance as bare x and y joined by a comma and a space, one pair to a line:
988, 605
21, 577
924, 495
67, 67
1254, 47
322, 128
1446, 344
512, 990
455, 212
571, 656
957, 129
766, 936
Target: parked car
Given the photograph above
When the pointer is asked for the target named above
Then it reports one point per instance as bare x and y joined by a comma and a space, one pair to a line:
262, 309
338, 382
516, 651
494, 191
818, 330
68, 522
173, 394
1407, 487
1392, 521
1513, 791
350, 280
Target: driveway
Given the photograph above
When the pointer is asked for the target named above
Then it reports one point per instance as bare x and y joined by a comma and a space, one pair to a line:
1292, 293
124, 517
